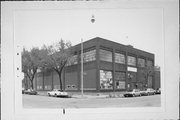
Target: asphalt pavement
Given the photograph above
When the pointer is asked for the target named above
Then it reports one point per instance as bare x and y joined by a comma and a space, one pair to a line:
90, 101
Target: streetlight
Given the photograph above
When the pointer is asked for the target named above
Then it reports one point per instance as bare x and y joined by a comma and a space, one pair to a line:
92, 20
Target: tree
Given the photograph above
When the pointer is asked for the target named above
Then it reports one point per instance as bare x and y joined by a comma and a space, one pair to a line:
56, 56
31, 60
148, 71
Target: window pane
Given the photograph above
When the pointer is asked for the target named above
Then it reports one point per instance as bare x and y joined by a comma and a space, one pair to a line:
89, 56
106, 79
141, 62
120, 84
120, 80
119, 58
105, 55
131, 61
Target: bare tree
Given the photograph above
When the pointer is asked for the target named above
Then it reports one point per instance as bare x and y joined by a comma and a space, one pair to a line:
56, 56
31, 60
148, 72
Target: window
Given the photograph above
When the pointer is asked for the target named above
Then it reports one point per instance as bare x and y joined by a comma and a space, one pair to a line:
132, 60
120, 80
39, 87
120, 84
105, 55
141, 62
72, 60
106, 79
119, 58
68, 86
89, 56
47, 87
149, 63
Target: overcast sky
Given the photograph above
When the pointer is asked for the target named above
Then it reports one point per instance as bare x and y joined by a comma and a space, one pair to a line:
142, 28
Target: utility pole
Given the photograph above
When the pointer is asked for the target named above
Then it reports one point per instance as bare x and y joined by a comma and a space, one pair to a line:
82, 67
92, 20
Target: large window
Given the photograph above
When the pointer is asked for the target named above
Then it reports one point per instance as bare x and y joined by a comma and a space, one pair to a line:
141, 62
73, 60
119, 58
105, 55
132, 60
89, 56
149, 63
120, 80
106, 79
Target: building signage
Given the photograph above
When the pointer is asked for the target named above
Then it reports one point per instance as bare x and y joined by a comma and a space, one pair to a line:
132, 69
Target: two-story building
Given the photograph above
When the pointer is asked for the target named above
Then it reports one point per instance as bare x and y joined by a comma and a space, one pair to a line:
108, 66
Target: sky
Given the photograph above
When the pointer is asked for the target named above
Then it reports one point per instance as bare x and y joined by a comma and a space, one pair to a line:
142, 28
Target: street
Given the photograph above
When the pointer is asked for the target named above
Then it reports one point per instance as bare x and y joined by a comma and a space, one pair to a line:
37, 101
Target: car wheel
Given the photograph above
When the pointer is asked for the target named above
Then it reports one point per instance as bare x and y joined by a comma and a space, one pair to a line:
49, 94
139, 95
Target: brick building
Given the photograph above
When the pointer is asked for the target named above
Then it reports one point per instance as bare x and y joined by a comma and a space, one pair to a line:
108, 66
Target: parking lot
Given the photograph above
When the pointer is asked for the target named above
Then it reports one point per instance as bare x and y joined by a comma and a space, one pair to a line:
89, 101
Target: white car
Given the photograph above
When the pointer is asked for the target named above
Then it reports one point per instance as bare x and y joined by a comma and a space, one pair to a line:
133, 93
150, 91
57, 93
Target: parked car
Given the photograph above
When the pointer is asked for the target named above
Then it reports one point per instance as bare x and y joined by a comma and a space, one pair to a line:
23, 90
132, 93
150, 91
57, 93
143, 93
158, 91
30, 92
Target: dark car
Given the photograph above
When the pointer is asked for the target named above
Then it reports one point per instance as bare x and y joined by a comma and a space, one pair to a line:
22, 91
30, 92
158, 91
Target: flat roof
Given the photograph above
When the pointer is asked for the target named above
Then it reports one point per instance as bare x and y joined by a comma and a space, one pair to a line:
111, 44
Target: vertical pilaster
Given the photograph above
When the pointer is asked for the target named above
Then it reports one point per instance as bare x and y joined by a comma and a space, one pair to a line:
153, 76
126, 64
137, 80
97, 67
113, 66
146, 80
79, 73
